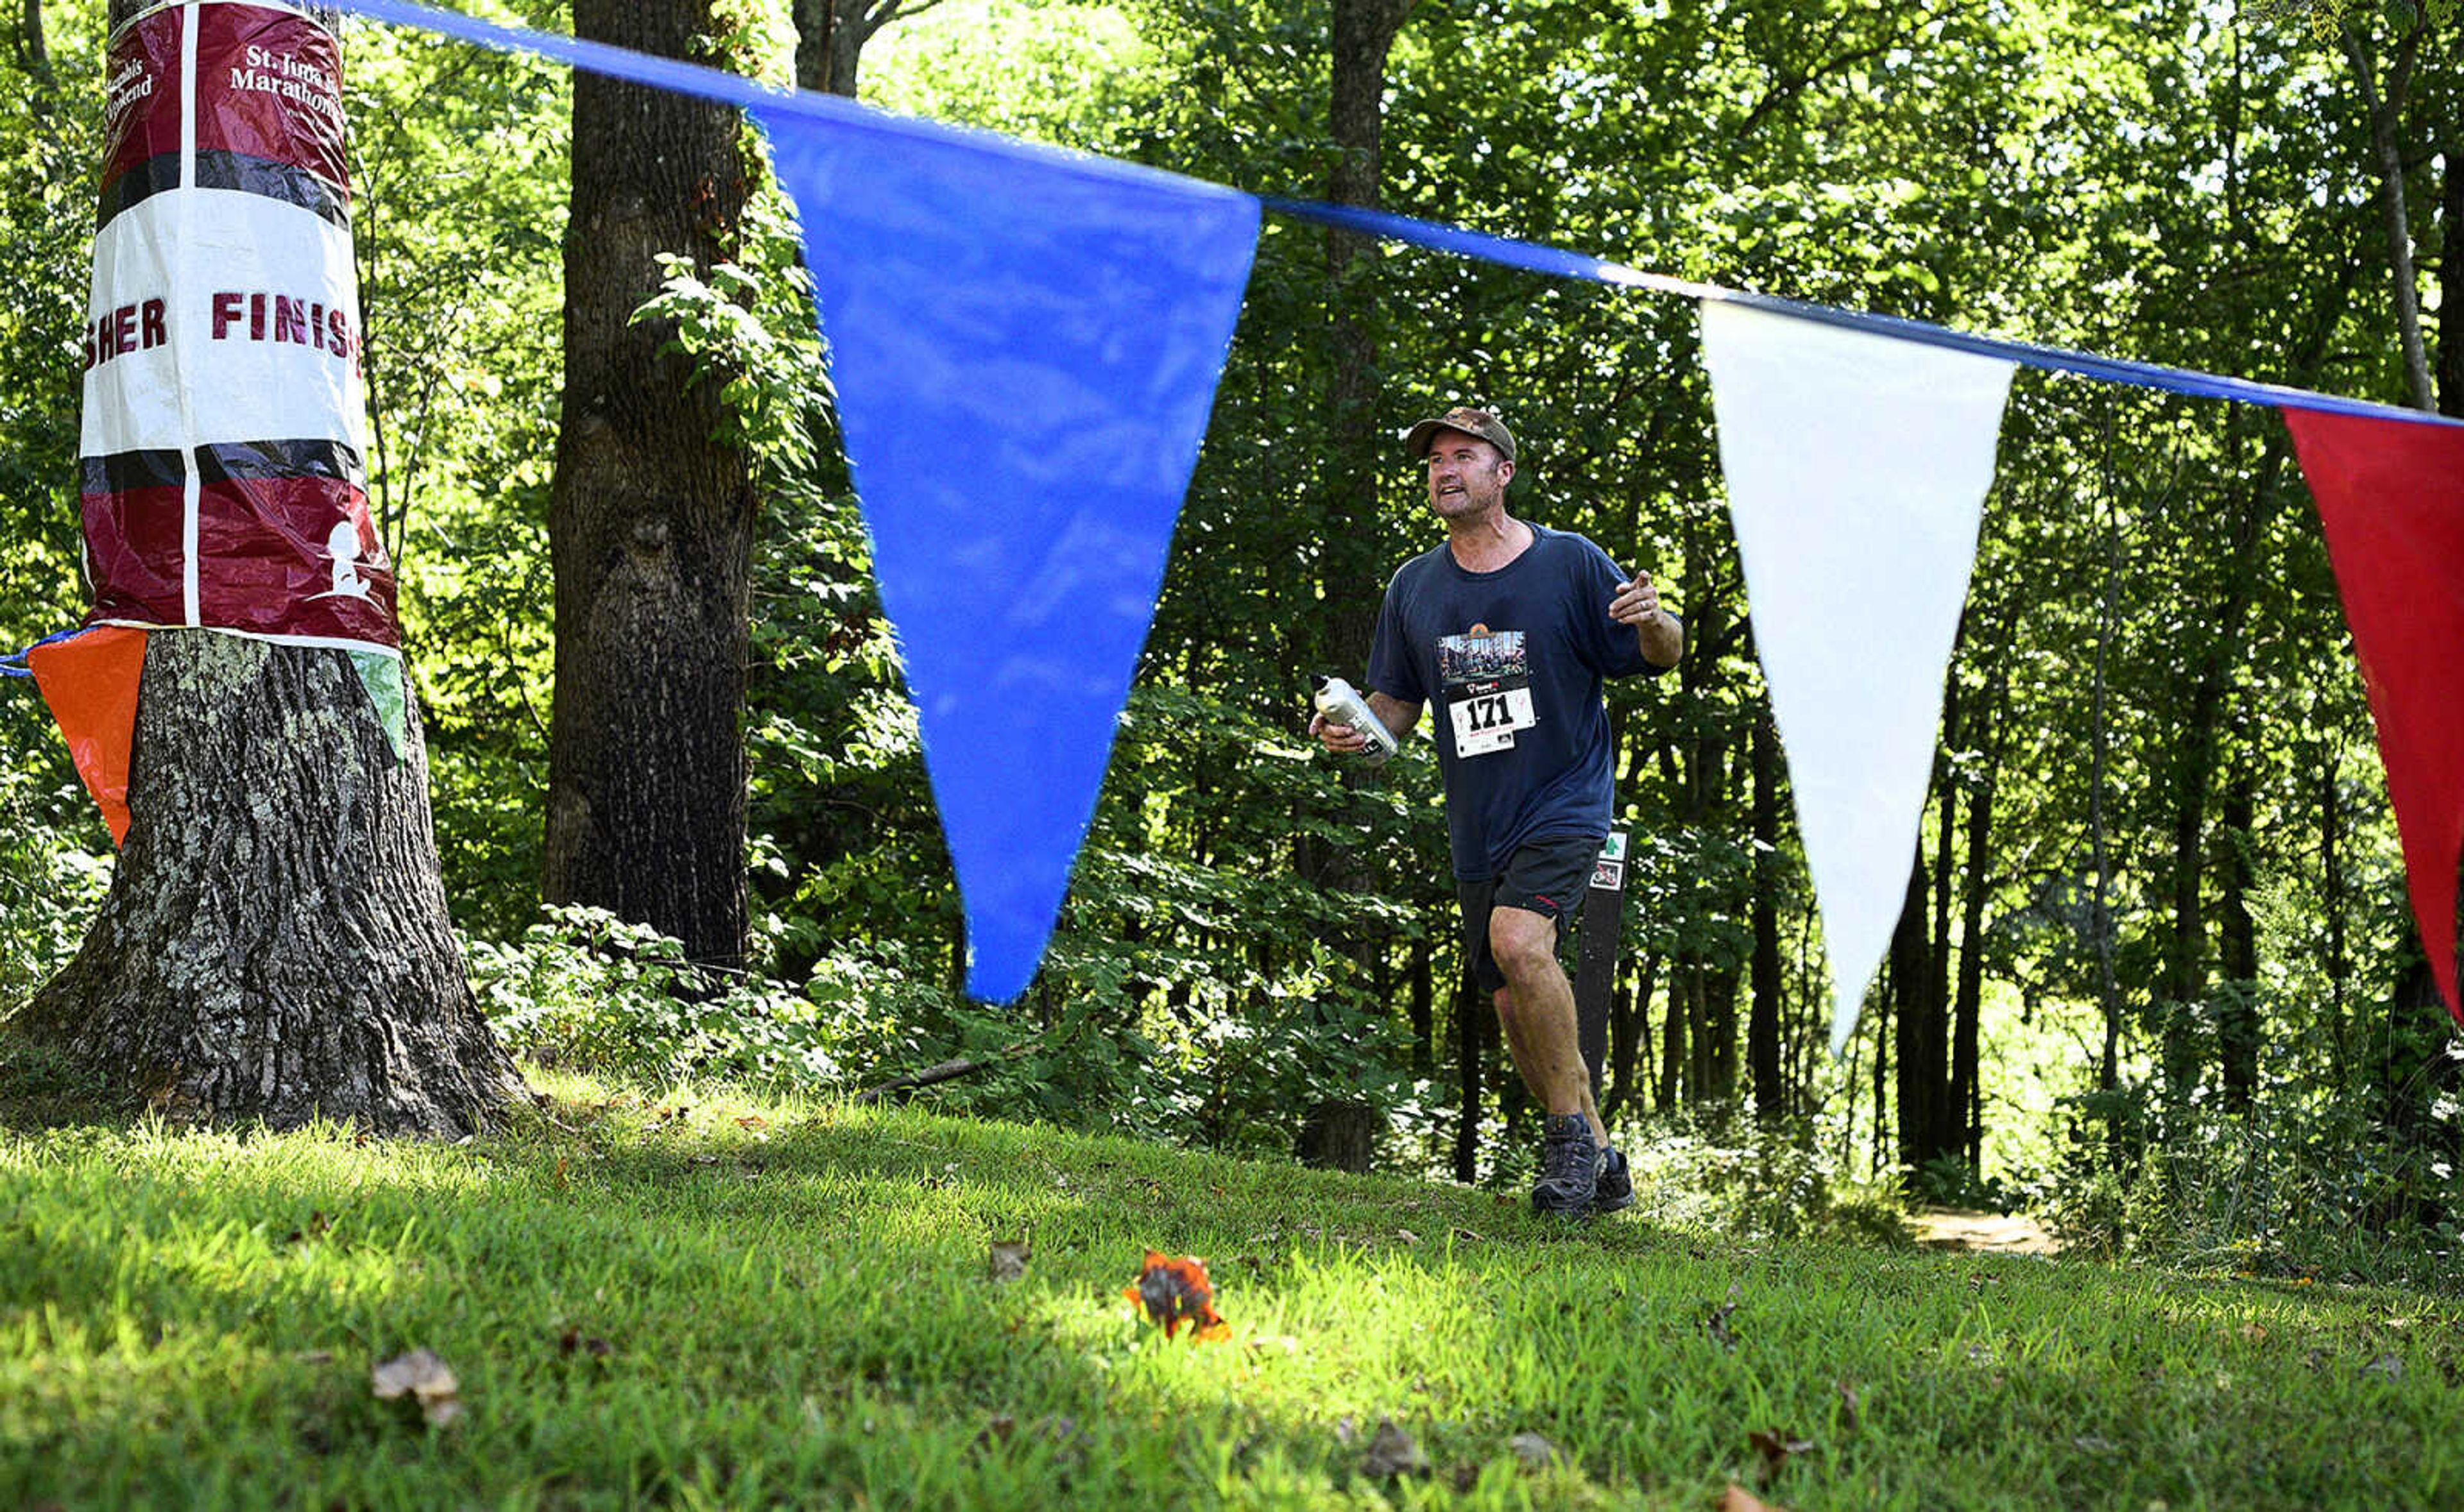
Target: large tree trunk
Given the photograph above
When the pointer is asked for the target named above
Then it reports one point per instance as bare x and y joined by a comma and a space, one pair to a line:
275, 945
649, 518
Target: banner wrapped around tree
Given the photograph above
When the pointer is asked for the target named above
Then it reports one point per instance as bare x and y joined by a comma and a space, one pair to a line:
225, 414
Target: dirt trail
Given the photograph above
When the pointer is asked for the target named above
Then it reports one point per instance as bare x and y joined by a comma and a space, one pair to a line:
1959, 1229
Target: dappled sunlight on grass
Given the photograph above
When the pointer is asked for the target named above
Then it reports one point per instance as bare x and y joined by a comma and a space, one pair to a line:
702, 1296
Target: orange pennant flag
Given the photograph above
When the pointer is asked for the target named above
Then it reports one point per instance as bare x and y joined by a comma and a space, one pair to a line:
90, 681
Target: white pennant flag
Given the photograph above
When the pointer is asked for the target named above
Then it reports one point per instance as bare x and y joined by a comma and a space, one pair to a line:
1857, 467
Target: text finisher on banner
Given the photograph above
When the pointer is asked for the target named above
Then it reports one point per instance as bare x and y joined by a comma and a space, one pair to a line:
1025, 348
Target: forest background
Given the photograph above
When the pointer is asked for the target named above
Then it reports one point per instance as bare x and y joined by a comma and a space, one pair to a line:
2156, 976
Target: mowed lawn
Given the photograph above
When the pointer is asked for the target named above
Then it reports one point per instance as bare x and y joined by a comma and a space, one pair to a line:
708, 1299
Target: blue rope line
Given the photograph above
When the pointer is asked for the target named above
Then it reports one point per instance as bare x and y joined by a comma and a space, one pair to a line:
716, 85
14, 665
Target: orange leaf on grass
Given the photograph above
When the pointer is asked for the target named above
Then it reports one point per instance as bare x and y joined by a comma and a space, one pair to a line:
1172, 1292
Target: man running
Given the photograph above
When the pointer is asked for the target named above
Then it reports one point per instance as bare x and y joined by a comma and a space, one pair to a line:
1512, 628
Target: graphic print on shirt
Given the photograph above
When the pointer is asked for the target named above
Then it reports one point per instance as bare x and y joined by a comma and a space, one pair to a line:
1487, 690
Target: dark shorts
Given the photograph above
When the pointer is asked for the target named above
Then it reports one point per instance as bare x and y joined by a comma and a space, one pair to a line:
1546, 877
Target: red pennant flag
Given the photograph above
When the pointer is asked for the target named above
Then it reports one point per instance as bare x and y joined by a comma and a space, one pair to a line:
90, 681
2390, 494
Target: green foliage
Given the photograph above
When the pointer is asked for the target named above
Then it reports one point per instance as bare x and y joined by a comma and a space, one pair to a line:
748, 326
584, 989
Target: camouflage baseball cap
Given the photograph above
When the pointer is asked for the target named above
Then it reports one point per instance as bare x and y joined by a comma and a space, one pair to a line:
1471, 422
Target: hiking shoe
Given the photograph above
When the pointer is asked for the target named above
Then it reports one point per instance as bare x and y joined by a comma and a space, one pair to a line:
1569, 1170
1614, 1190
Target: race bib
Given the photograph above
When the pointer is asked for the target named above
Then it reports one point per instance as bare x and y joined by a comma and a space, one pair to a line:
1489, 691
1487, 715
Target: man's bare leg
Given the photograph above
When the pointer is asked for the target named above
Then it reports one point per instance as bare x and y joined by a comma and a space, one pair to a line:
1536, 1010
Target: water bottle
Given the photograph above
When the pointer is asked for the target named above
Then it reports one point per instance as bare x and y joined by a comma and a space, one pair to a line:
1341, 705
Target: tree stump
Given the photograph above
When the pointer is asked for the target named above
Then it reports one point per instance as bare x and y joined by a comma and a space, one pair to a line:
275, 944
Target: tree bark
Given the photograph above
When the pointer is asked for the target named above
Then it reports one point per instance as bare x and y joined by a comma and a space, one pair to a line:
2384, 110
1967, 1093
1473, 1025
1763, 1022
649, 518
830, 35
275, 945
2237, 1012
1340, 1132
2450, 275
1916, 1092
34, 53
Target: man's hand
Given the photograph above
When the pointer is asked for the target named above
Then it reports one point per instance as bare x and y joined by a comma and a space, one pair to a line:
1397, 716
1636, 604
1341, 739
1656, 630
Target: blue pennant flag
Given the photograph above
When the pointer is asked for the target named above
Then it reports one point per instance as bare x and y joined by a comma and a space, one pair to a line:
1025, 346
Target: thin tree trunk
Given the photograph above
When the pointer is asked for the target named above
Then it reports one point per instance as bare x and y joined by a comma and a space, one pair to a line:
1967, 1093
2450, 274
1882, 1056
1630, 1067
1762, 1022
1942, 1129
1672, 1045
1473, 1019
1338, 1131
830, 36
649, 518
1911, 977
2238, 1015
2386, 111
2331, 866
2108, 1067
1424, 978
34, 53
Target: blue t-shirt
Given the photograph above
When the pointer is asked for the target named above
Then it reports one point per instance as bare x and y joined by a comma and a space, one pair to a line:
1523, 737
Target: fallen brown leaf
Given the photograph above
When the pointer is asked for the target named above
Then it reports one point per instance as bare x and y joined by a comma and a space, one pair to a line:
1737, 1499
1717, 1326
1392, 1451
1777, 1449
419, 1374
571, 1342
1007, 1261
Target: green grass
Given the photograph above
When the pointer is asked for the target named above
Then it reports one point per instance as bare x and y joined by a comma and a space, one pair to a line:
698, 1310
